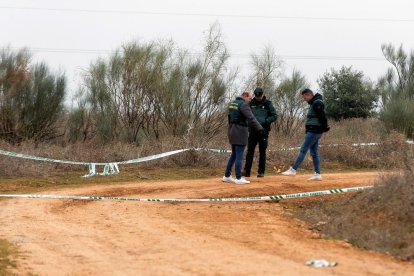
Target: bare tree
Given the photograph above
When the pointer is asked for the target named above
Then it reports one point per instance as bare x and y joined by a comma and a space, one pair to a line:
79, 121
198, 88
124, 92
399, 80
266, 70
148, 89
206, 84
289, 103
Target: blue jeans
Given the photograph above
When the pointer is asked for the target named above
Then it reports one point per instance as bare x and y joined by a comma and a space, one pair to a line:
311, 143
236, 158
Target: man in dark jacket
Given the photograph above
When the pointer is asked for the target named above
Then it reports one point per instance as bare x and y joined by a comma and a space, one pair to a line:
316, 124
239, 117
265, 113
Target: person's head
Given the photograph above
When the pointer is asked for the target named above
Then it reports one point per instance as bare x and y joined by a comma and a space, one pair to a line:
247, 96
258, 93
307, 94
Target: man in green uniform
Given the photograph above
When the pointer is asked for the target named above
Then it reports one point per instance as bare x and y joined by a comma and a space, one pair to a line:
240, 115
265, 113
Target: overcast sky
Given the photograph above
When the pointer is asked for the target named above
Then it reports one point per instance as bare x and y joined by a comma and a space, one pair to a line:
311, 36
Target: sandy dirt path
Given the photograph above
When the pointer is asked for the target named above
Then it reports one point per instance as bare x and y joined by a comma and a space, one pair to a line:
69, 237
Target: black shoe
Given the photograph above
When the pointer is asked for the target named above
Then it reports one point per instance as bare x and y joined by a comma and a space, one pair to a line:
260, 175
245, 174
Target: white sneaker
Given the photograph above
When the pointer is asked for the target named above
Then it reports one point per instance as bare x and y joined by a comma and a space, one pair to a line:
228, 179
290, 172
241, 181
315, 177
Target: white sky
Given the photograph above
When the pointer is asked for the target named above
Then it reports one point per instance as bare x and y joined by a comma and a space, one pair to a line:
295, 28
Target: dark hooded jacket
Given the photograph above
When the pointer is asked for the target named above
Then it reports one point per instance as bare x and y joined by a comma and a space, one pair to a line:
316, 121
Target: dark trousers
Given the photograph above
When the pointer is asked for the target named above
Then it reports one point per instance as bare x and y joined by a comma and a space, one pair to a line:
254, 139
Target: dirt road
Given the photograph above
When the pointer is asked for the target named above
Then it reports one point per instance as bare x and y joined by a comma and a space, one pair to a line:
68, 237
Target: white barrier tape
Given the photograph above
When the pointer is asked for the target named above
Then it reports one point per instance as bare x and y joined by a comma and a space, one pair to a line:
112, 167
217, 150
233, 199
157, 156
330, 145
152, 157
109, 168
138, 160
298, 148
26, 156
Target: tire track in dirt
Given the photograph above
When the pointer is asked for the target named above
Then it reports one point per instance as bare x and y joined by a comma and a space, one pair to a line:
128, 238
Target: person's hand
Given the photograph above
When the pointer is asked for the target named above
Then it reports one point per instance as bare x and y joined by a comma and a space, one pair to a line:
264, 133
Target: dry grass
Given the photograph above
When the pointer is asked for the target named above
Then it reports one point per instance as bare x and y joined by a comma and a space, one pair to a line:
380, 219
392, 153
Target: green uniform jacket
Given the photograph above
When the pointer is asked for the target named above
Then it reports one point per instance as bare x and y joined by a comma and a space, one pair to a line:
264, 112
240, 115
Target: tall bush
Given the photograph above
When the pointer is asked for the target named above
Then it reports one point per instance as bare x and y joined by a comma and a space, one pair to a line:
31, 98
266, 70
347, 94
397, 90
147, 90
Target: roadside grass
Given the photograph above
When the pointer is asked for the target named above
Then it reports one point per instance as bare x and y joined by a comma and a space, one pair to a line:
379, 219
337, 151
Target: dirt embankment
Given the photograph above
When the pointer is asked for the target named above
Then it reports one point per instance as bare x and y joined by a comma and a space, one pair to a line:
58, 237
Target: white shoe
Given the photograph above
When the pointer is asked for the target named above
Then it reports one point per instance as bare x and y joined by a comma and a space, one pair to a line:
228, 179
315, 177
241, 181
290, 172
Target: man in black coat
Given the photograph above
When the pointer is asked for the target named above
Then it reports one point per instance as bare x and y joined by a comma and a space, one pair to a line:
265, 113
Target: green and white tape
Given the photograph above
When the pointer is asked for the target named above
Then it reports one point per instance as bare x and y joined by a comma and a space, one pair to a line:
109, 167
228, 199
26, 156
113, 167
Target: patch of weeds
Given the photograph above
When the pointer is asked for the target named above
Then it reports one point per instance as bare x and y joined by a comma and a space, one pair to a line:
366, 219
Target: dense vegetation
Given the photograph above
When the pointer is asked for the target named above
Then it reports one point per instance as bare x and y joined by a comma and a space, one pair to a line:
148, 91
